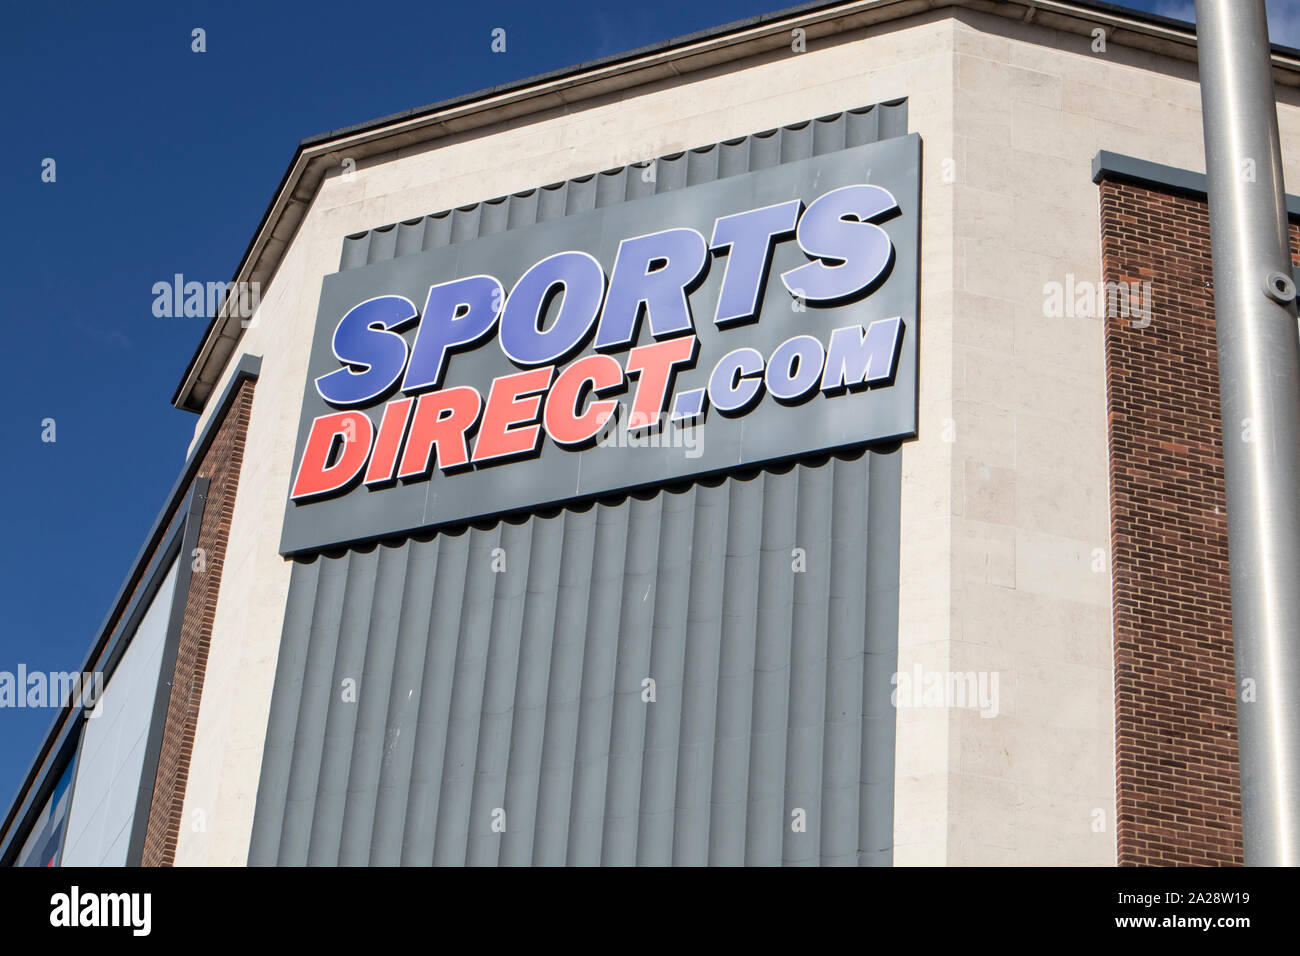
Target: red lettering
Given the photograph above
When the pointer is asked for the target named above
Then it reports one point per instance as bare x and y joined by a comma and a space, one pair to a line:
655, 365
316, 476
563, 423
389, 441
513, 400
441, 420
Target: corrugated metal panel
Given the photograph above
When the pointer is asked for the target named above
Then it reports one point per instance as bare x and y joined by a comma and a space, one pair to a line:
521, 690
706, 164
488, 698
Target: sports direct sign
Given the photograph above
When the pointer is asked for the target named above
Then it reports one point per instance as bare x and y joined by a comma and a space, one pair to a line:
734, 322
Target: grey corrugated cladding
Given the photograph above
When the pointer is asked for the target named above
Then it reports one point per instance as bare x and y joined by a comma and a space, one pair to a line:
515, 697
730, 158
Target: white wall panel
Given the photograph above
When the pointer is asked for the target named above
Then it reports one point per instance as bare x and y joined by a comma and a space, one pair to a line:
112, 754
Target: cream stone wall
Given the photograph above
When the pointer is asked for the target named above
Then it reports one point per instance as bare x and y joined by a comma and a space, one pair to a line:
1004, 494
1031, 585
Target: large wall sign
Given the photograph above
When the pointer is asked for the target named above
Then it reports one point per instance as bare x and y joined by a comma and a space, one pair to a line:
734, 322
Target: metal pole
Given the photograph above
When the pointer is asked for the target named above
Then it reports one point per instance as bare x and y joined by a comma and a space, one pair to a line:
1259, 387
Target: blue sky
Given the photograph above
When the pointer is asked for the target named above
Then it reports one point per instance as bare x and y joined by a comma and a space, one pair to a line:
165, 161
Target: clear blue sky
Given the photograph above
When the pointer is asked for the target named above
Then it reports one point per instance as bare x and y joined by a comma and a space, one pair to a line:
166, 160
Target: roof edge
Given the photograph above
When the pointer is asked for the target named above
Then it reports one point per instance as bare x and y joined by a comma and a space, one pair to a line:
731, 41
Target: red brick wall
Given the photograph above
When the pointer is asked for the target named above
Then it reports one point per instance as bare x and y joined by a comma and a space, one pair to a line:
1177, 784
221, 466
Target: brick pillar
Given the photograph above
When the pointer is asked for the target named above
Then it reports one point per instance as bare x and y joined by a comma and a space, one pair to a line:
221, 466
1177, 784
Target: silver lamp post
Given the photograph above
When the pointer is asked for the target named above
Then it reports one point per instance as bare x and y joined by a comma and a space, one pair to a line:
1259, 384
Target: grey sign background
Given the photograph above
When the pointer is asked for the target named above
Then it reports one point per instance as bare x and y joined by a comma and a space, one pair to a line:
521, 691
768, 433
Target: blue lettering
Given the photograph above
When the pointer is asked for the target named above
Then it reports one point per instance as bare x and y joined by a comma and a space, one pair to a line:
736, 382
457, 314
794, 368
860, 357
748, 237
826, 232
366, 340
579, 281
654, 271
